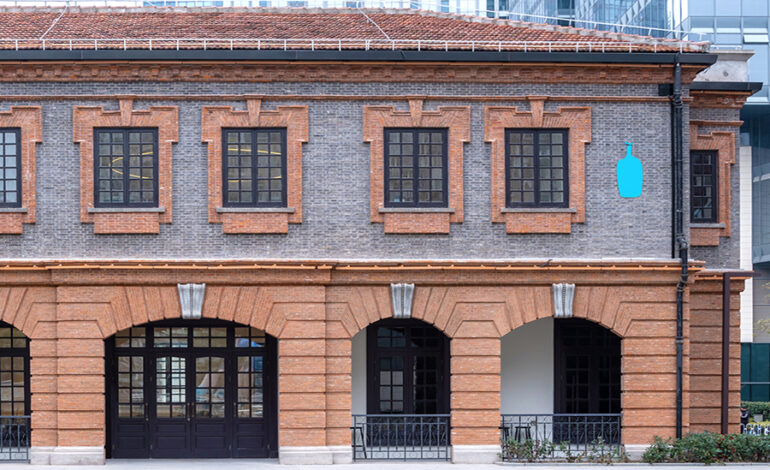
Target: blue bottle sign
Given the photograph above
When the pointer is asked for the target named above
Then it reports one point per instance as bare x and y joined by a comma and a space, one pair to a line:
629, 172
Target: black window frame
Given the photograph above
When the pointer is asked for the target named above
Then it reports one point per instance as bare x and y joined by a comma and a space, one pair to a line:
445, 168
409, 352
714, 188
284, 173
22, 352
536, 203
156, 173
602, 349
18, 190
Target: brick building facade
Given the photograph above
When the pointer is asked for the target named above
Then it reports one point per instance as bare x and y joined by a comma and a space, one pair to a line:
213, 313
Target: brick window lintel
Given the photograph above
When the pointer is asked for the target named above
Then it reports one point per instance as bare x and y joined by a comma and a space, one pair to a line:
724, 143
166, 120
29, 119
295, 120
457, 119
577, 120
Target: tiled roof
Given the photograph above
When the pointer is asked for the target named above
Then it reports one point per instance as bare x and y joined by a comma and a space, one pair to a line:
303, 28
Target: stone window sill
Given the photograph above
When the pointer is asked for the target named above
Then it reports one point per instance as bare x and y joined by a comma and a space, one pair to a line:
697, 225
255, 210
125, 210
537, 210
416, 210
13, 210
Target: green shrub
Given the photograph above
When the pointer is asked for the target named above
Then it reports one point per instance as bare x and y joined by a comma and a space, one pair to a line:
529, 450
757, 407
708, 448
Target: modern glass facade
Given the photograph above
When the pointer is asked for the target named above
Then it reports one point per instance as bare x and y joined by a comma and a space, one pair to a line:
743, 24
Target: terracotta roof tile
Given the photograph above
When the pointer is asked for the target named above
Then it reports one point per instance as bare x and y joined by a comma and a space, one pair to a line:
83, 25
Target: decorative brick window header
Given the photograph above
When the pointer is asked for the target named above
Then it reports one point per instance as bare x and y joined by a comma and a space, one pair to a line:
29, 120
125, 220
724, 143
256, 219
577, 120
457, 119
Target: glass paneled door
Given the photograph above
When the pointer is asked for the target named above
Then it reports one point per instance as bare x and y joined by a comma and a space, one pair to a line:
202, 390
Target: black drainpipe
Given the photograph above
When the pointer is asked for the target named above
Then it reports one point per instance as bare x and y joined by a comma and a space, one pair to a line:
679, 240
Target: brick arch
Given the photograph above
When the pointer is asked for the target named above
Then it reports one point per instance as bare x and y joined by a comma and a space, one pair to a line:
86, 315
116, 308
351, 309
24, 307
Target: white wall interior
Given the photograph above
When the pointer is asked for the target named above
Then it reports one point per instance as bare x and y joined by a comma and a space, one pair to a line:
527, 369
747, 301
358, 376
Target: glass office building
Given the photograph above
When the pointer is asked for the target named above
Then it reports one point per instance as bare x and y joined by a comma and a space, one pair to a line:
743, 24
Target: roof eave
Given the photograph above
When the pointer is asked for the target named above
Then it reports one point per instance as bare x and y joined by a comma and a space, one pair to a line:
685, 58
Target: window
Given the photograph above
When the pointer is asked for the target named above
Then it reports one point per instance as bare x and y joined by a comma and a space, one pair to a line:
536, 168
703, 187
409, 367
416, 168
254, 167
14, 366
126, 173
10, 168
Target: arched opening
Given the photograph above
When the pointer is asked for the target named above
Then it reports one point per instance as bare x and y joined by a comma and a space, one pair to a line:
14, 394
404, 410
560, 383
191, 389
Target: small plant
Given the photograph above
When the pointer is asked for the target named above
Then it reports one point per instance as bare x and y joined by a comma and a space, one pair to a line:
529, 450
709, 448
597, 451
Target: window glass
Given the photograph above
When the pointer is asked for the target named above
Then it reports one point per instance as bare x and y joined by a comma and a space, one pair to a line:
415, 167
126, 167
536, 167
14, 356
255, 167
10, 168
703, 187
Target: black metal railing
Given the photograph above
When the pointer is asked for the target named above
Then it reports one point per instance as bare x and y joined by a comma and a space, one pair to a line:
14, 438
559, 436
401, 437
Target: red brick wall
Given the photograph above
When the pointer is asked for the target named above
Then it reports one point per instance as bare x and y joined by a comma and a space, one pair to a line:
29, 119
706, 355
315, 310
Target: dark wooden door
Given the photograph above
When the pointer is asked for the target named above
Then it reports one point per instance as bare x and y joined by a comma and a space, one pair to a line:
169, 410
200, 390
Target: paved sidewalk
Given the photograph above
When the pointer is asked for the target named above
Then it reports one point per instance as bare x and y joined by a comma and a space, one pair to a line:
243, 464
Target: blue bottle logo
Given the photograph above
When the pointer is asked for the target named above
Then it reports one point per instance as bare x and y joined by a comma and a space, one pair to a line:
629, 172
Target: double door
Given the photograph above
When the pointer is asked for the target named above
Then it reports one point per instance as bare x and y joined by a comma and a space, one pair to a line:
180, 402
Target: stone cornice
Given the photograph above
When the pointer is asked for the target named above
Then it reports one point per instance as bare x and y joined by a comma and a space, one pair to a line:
380, 72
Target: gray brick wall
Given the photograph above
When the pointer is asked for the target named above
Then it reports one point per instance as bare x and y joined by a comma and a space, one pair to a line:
336, 182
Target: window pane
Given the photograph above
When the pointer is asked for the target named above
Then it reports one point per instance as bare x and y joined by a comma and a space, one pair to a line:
125, 155
258, 175
10, 157
703, 186
536, 167
415, 174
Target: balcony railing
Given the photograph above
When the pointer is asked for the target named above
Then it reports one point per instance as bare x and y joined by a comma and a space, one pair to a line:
14, 438
401, 437
559, 436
